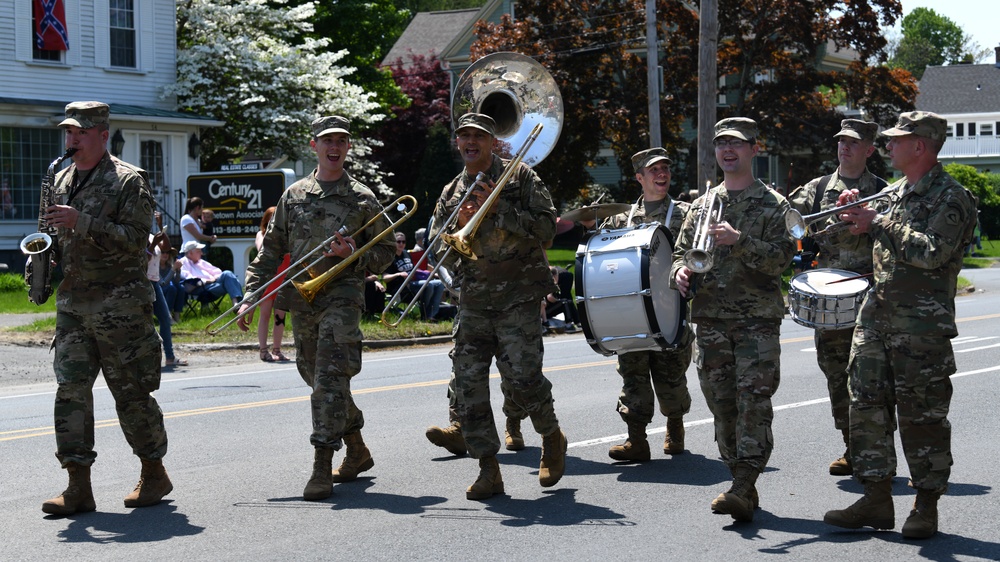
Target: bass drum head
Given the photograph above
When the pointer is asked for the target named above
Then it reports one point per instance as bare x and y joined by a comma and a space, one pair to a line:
623, 291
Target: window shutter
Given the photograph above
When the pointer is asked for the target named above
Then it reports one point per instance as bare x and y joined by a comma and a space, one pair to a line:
147, 36
23, 34
75, 33
102, 39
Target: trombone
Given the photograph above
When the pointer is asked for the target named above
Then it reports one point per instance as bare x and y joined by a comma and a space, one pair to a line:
423, 259
699, 258
798, 225
309, 289
461, 241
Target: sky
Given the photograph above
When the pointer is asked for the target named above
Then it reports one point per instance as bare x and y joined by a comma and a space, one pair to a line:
976, 17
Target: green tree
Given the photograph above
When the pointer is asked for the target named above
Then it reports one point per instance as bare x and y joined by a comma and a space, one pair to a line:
984, 186
929, 39
241, 61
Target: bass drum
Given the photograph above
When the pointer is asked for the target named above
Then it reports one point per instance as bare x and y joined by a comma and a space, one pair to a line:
623, 291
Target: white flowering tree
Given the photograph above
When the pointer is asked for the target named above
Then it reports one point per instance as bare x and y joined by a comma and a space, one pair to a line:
249, 63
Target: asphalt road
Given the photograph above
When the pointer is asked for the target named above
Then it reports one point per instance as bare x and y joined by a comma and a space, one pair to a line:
239, 457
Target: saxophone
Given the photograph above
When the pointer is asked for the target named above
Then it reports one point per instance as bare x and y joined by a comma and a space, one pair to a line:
38, 246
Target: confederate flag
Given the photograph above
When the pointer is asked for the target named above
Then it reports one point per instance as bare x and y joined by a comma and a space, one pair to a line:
50, 25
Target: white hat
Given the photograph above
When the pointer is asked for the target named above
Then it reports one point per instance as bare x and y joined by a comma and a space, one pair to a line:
191, 245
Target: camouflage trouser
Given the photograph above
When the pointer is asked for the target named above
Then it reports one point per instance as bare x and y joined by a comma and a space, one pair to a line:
647, 372
328, 354
125, 346
739, 370
514, 337
510, 409
907, 375
833, 349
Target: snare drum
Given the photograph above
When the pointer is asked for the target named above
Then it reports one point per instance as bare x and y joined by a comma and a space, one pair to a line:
623, 291
815, 302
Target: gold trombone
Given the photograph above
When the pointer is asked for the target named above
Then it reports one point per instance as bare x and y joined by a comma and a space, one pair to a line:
699, 258
461, 241
309, 289
798, 225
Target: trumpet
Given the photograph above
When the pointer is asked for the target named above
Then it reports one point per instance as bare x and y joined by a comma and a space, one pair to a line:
699, 258
798, 225
309, 289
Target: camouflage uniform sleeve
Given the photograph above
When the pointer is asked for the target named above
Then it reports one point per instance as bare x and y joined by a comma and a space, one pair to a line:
273, 249
773, 250
943, 236
803, 198
536, 217
126, 229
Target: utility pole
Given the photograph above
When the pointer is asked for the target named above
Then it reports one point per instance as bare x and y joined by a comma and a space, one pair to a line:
653, 76
708, 83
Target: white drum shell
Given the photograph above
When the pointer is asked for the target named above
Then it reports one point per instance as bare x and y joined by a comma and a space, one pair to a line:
623, 291
816, 303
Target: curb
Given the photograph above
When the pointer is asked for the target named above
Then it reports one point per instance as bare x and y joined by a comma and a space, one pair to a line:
372, 344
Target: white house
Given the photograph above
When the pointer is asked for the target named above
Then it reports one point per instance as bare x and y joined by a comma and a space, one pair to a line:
122, 52
968, 96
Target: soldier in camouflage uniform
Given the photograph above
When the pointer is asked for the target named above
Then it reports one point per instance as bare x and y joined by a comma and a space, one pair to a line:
653, 375
498, 309
901, 359
841, 250
737, 307
327, 332
103, 210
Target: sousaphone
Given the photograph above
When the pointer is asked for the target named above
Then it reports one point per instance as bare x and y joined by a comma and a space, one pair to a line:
518, 93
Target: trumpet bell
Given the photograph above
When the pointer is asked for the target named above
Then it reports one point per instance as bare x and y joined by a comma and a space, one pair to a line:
795, 224
518, 93
698, 261
36, 243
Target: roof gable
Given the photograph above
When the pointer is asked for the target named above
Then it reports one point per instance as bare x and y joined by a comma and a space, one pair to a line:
429, 33
960, 88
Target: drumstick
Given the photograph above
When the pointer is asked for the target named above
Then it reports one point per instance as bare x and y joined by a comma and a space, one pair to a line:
863, 275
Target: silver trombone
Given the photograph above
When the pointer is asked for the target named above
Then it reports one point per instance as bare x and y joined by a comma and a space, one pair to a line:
699, 258
314, 284
396, 298
798, 225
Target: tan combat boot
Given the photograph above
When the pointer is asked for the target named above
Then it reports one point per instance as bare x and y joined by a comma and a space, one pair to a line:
489, 482
843, 466
874, 509
741, 499
153, 485
320, 485
357, 460
78, 496
634, 449
754, 498
923, 519
512, 437
449, 437
553, 463
673, 443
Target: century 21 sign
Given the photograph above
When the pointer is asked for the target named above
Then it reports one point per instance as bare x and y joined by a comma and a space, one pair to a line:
239, 199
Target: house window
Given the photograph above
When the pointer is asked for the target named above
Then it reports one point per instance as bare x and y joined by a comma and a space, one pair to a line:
986, 130
25, 154
959, 130
972, 129
951, 131
38, 54
121, 31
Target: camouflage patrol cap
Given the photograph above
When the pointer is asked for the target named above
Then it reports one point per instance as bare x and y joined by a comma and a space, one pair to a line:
86, 114
331, 124
739, 127
479, 121
648, 157
921, 123
857, 129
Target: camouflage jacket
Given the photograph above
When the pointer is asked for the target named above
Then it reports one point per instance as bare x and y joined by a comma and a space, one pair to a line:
680, 211
303, 219
745, 280
839, 250
919, 244
511, 267
104, 258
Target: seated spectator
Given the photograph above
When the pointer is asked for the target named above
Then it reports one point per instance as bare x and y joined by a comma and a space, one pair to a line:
216, 281
374, 296
399, 269
160, 310
171, 283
